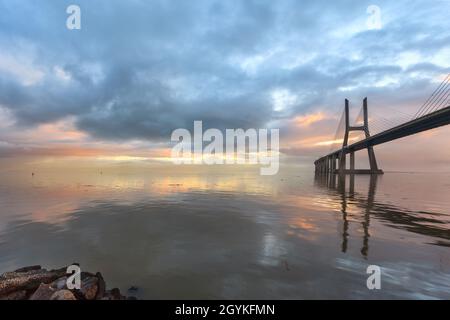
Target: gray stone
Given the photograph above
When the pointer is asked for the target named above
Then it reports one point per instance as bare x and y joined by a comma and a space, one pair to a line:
59, 284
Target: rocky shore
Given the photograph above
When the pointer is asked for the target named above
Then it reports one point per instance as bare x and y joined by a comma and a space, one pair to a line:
36, 283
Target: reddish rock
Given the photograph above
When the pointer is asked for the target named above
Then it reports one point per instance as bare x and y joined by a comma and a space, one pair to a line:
63, 295
17, 295
89, 288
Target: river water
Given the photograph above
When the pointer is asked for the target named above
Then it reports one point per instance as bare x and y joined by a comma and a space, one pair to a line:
230, 233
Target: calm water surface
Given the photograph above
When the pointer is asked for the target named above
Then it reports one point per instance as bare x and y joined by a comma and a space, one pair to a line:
233, 234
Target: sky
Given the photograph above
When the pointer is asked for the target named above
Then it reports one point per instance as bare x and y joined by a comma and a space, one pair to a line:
137, 70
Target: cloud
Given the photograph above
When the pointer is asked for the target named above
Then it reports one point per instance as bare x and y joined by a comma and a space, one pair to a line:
138, 70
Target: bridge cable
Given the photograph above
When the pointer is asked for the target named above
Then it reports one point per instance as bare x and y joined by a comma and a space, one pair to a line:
437, 99
431, 98
420, 110
442, 101
339, 131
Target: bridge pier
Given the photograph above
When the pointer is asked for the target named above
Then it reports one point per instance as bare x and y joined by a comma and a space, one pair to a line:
328, 164
332, 164
319, 166
342, 162
352, 161
372, 160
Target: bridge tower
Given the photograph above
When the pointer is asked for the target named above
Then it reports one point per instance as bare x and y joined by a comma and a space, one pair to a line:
342, 155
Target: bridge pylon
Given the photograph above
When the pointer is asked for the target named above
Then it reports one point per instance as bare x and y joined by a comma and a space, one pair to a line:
335, 162
371, 153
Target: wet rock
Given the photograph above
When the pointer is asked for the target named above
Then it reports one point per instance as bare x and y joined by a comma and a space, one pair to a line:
89, 288
21, 272
116, 294
63, 295
27, 269
44, 292
29, 280
17, 295
35, 283
101, 286
14, 274
8, 275
59, 284
113, 294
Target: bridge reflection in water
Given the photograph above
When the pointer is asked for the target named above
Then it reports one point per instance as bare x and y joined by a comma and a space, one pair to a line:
342, 188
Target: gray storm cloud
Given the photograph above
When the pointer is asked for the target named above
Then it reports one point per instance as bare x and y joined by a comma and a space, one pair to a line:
139, 69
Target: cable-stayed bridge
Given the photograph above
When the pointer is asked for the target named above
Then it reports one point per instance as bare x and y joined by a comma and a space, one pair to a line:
435, 112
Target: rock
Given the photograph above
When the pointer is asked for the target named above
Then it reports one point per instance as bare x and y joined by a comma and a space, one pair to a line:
18, 272
35, 283
116, 294
89, 287
14, 274
101, 286
8, 275
59, 284
63, 295
17, 295
29, 280
30, 268
44, 292
113, 294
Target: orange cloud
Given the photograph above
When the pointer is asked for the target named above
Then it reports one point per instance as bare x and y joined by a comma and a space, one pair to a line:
309, 119
61, 130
